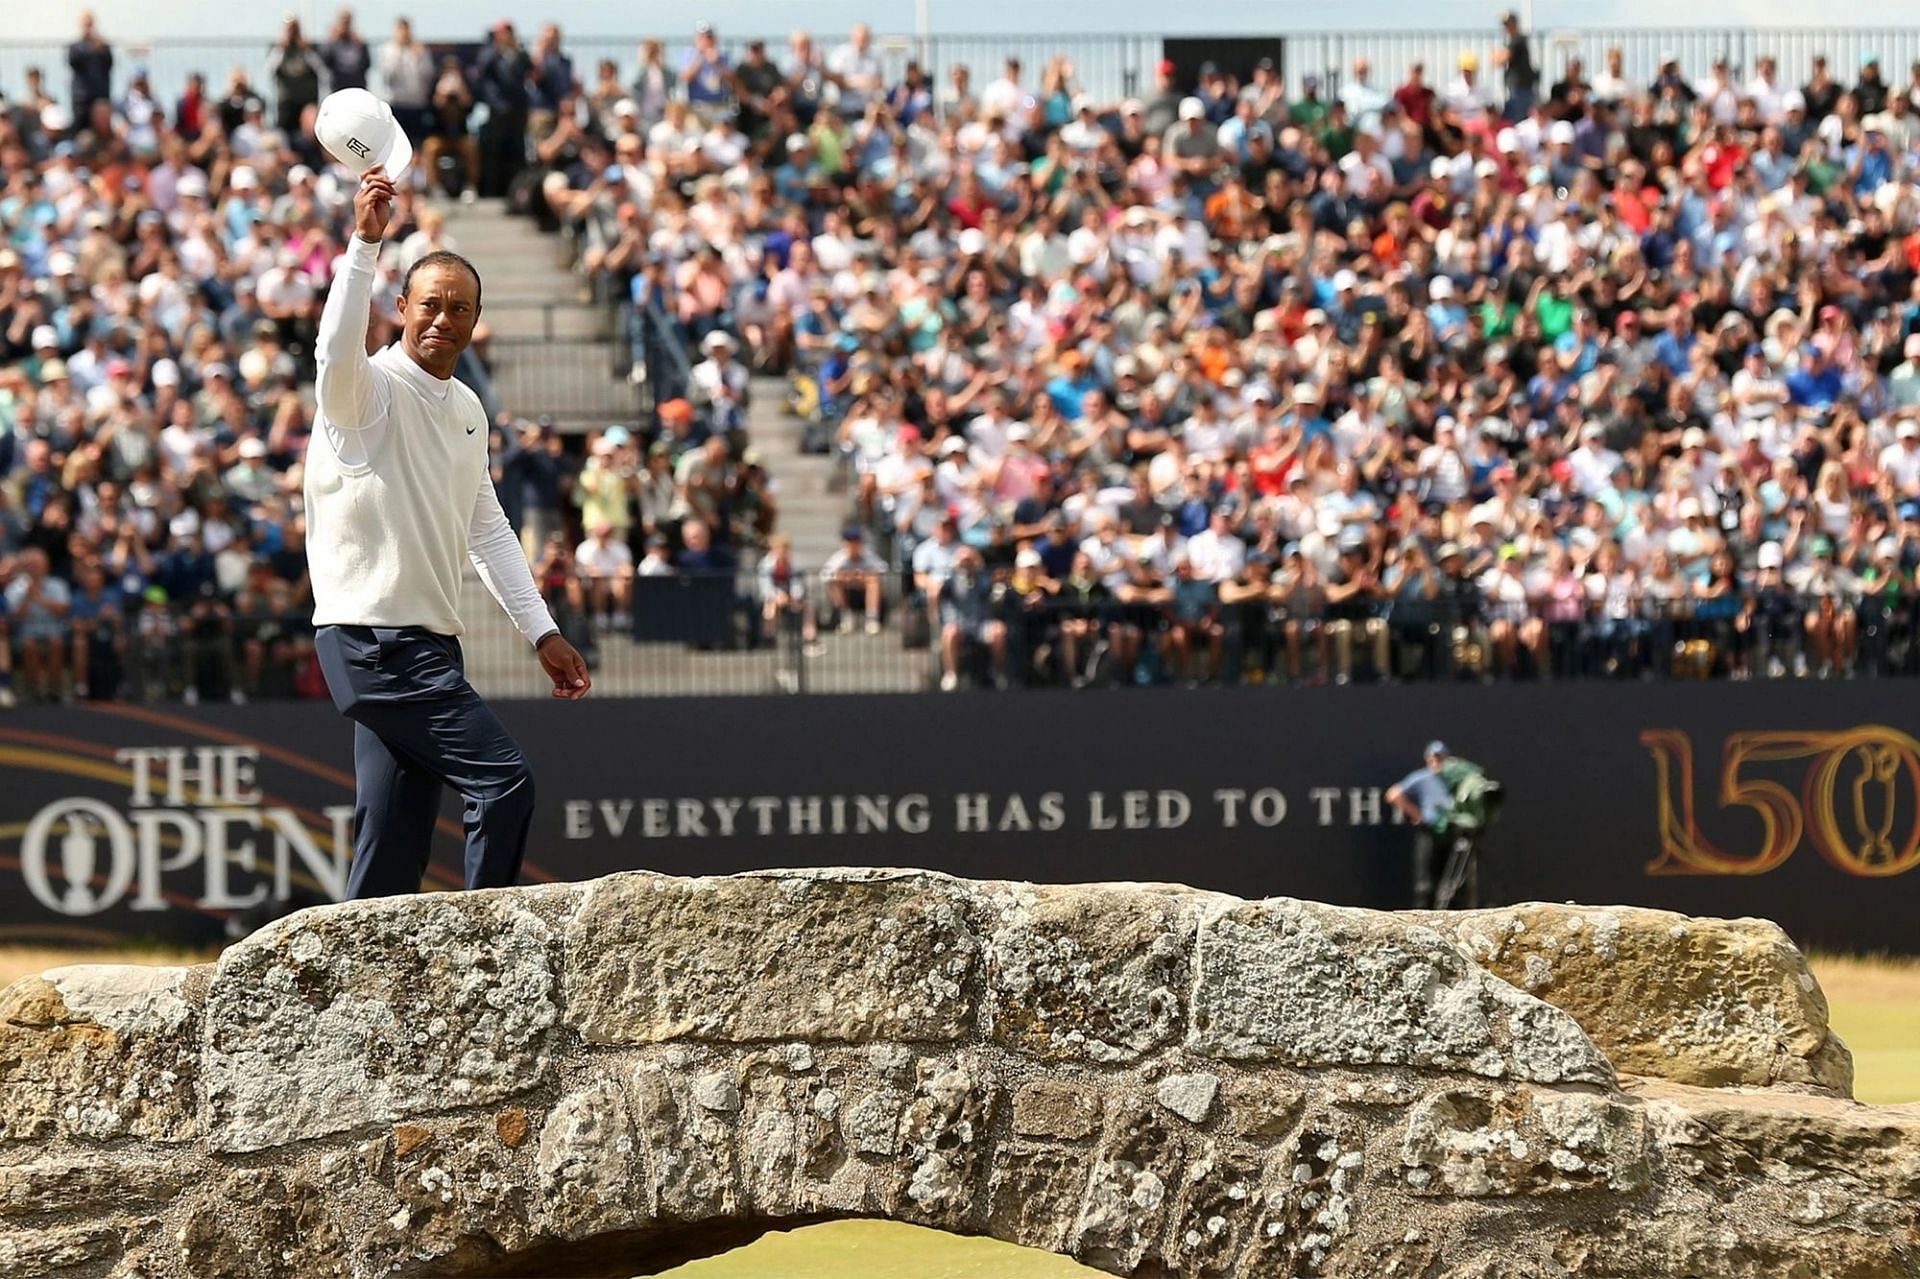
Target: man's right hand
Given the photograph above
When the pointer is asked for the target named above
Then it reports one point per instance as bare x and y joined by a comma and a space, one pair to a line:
373, 205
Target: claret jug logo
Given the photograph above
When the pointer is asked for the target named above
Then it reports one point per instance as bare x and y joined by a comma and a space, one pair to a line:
194, 821
1854, 794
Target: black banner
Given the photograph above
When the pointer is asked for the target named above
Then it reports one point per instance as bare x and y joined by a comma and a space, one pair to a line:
1797, 802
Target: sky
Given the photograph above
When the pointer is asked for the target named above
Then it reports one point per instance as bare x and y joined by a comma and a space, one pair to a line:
448, 18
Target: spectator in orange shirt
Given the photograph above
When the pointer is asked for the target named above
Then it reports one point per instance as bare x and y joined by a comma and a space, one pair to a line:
1390, 246
1232, 207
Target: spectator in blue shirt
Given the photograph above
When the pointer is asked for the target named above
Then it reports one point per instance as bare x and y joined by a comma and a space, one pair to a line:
1068, 389
1444, 311
706, 73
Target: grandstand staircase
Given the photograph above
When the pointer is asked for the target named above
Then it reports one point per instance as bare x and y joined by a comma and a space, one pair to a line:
812, 510
554, 350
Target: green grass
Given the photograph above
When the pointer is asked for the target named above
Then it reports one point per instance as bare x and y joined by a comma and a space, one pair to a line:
1874, 1004
1886, 1049
878, 1250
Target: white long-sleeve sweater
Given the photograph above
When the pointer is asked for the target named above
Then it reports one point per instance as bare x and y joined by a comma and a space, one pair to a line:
398, 494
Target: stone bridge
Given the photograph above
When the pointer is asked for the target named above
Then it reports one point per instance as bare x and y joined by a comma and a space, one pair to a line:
608, 1078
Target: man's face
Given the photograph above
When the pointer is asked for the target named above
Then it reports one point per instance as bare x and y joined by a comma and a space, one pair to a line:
437, 314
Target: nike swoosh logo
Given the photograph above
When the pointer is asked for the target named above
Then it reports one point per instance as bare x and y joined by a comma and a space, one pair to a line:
472, 429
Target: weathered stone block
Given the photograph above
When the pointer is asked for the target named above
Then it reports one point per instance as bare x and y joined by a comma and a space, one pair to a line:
1095, 972
1219, 1197
100, 1052
1697, 1001
70, 1185
1488, 1142
590, 1179
1261, 1108
248, 1224
1307, 1199
1311, 985
373, 1011
688, 1149
65, 1250
1056, 1108
946, 1135
1035, 1194
756, 958
1130, 1194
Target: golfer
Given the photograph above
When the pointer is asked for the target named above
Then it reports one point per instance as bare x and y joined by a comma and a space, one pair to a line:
398, 498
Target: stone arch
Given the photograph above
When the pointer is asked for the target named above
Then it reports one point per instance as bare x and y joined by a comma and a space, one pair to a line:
1149, 1079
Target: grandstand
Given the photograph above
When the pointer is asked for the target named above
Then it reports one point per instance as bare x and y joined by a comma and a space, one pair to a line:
825, 364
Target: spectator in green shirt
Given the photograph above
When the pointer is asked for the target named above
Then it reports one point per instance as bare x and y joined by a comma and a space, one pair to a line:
1311, 109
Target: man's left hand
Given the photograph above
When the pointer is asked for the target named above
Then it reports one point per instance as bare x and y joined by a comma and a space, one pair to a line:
565, 668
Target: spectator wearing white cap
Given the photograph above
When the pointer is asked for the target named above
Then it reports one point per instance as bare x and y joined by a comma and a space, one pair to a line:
1903, 384
250, 479
720, 381
1192, 146
1901, 459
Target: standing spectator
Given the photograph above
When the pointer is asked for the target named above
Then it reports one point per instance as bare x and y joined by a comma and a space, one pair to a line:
550, 82
1364, 102
536, 468
707, 74
90, 58
346, 55
1523, 82
856, 70
295, 67
500, 81
407, 82
653, 84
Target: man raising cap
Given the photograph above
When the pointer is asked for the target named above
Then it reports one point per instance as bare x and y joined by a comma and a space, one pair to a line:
398, 499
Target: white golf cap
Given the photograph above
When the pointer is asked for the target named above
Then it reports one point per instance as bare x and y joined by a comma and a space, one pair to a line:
1770, 555
359, 131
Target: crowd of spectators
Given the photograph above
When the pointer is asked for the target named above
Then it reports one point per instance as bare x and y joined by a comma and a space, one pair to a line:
162, 268
1493, 376
1596, 376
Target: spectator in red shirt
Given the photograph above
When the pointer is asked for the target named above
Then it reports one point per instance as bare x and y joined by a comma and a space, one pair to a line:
1415, 97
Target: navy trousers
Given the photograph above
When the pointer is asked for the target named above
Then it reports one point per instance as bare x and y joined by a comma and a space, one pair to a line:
417, 726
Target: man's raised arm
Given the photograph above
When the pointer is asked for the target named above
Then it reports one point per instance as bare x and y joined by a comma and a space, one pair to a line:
348, 389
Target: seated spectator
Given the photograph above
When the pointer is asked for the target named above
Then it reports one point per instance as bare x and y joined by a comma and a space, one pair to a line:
605, 565
854, 578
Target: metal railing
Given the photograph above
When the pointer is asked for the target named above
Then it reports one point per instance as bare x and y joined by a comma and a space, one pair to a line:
715, 634
1114, 66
